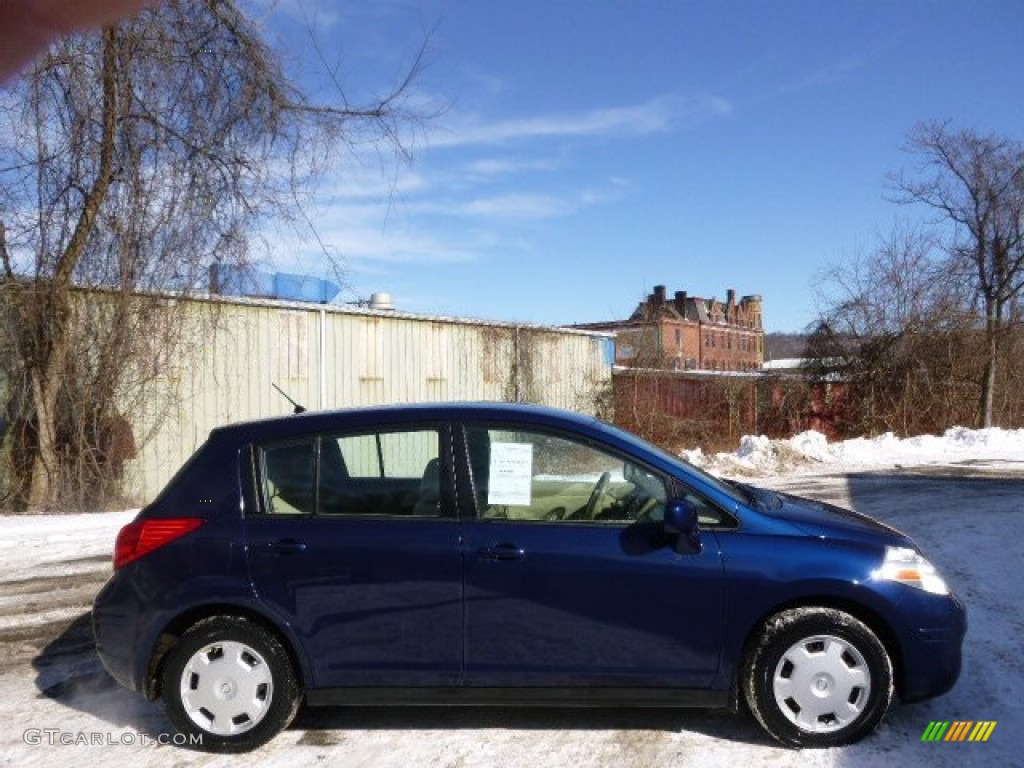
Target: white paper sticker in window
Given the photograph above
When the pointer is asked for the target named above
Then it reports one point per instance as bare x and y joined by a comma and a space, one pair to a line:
511, 474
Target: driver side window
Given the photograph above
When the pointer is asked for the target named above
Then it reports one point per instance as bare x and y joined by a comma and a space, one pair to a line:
528, 475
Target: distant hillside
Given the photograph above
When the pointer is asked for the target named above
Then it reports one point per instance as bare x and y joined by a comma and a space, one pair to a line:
779, 346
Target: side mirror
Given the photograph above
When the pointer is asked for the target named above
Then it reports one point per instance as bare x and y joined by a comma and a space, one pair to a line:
681, 522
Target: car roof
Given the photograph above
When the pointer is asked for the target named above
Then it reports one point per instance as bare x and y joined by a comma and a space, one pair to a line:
315, 421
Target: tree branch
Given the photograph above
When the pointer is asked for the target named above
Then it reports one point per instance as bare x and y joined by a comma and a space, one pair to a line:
101, 183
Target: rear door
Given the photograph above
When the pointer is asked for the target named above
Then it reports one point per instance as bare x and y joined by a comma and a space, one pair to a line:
357, 548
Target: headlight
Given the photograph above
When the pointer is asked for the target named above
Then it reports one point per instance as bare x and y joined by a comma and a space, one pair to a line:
908, 566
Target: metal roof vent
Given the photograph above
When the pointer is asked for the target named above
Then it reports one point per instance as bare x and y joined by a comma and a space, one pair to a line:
382, 302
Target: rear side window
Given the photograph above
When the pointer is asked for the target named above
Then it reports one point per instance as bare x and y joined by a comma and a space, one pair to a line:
387, 454
289, 471
394, 473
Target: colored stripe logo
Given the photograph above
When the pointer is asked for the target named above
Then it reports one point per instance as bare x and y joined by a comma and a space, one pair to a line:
958, 730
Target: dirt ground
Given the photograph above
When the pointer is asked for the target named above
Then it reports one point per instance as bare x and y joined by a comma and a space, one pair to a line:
967, 519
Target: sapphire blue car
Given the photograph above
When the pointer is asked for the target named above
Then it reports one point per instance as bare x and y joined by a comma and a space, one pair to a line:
507, 554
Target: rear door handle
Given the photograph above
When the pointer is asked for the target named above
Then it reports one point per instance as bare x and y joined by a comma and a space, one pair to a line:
501, 552
288, 546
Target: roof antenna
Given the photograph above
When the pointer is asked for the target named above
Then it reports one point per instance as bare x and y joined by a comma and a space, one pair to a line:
298, 408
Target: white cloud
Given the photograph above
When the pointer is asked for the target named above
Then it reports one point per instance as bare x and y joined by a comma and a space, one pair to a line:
450, 210
488, 84
824, 76
320, 14
359, 236
827, 75
518, 206
352, 183
654, 116
492, 167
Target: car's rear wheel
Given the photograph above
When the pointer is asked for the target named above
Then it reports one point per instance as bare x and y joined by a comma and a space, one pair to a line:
817, 677
228, 685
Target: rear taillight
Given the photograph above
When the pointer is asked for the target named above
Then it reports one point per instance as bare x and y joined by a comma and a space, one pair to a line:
143, 536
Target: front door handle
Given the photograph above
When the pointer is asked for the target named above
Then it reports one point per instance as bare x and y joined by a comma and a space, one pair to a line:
288, 546
502, 552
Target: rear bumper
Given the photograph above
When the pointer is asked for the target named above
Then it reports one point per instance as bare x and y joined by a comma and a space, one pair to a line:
115, 623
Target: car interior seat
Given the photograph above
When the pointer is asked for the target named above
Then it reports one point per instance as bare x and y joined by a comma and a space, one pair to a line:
290, 472
429, 502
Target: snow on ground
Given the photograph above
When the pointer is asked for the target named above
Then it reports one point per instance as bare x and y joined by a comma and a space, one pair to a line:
56, 542
809, 451
961, 496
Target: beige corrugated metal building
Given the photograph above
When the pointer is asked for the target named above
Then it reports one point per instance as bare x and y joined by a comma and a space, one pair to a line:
328, 356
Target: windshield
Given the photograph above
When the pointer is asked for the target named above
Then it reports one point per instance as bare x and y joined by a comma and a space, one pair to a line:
737, 494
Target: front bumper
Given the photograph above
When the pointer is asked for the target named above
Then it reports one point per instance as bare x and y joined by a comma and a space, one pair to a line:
932, 651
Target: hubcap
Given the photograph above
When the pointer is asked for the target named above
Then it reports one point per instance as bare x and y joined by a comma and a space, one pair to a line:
226, 688
821, 684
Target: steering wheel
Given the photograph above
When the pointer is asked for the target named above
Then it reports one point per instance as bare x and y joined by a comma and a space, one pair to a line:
595, 495
644, 510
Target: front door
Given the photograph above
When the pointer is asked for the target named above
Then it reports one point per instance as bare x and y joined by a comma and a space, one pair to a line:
570, 577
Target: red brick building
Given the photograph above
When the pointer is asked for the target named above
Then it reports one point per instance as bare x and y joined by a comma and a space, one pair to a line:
689, 333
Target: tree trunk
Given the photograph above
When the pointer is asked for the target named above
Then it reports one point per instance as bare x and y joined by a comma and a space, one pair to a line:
45, 486
48, 364
988, 386
988, 381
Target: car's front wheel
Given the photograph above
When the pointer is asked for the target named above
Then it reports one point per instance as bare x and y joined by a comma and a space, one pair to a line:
817, 677
228, 685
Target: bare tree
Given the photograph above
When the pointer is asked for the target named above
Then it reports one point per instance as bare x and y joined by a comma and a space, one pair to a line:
897, 329
133, 160
976, 183
907, 284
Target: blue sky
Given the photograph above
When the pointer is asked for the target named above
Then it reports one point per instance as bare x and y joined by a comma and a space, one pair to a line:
590, 150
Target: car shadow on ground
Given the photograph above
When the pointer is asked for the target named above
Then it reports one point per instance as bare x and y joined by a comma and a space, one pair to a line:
326, 725
69, 672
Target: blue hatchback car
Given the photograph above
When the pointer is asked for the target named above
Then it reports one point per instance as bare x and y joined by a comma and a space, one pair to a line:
514, 555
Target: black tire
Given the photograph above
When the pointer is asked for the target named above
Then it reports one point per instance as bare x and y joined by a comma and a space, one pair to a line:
250, 702
835, 679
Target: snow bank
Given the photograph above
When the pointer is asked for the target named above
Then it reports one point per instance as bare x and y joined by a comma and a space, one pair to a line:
760, 456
